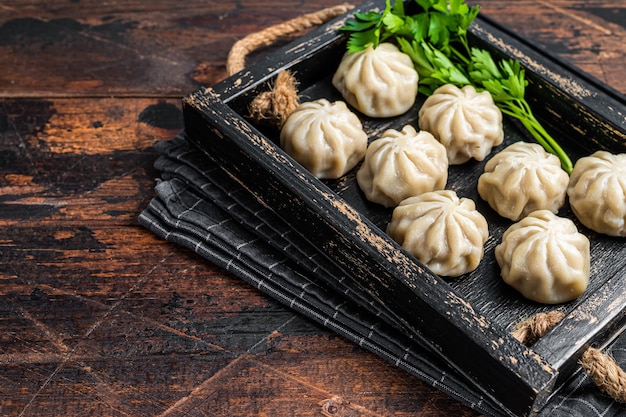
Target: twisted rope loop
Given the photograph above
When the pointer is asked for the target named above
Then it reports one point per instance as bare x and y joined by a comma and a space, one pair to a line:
605, 373
603, 370
266, 37
530, 330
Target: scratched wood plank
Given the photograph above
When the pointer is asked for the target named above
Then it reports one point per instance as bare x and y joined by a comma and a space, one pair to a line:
100, 317
64, 160
355, 381
126, 48
161, 49
588, 34
171, 341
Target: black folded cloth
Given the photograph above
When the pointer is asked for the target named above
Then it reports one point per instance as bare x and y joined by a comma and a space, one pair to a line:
201, 208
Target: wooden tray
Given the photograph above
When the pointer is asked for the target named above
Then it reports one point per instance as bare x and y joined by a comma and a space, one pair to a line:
466, 320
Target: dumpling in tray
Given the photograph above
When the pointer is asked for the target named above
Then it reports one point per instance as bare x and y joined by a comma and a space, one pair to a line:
379, 82
444, 232
467, 122
402, 164
326, 138
545, 258
597, 192
523, 178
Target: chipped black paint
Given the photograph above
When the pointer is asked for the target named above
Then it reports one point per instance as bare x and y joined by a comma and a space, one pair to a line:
35, 211
74, 238
163, 115
616, 15
27, 31
16, 117
28, 115
4, 122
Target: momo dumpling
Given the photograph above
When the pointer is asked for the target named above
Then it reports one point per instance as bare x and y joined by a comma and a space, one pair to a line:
445, 233
325, 137
467, 122
523, 178
597, 192
378, 82
545, 258
401, 164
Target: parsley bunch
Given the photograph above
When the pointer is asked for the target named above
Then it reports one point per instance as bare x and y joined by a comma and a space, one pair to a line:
436, 41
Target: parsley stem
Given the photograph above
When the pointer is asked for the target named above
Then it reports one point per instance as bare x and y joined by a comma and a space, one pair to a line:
463, 58
520, 109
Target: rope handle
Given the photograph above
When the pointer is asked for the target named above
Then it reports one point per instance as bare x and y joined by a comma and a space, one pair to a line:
601, 367
266, 37
274, 106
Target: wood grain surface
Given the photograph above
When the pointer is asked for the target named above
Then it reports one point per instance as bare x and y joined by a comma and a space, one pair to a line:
98, 317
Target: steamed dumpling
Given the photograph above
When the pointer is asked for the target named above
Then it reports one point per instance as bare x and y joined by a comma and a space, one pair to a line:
379, 82
597, 192
468, 123
326, 138
523, 178
402, 164
545, 258
445, 233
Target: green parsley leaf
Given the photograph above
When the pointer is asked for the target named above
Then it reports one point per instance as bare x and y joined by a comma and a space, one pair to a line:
436, 41
393, 23
362, 40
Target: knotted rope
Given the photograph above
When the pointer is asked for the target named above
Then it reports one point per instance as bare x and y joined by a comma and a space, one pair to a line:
528, 331
275, 105
602, 368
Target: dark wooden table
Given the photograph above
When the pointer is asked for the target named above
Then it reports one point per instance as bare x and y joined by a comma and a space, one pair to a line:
98, 317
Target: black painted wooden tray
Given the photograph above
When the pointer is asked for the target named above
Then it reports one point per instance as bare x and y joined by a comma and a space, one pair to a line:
467, 320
